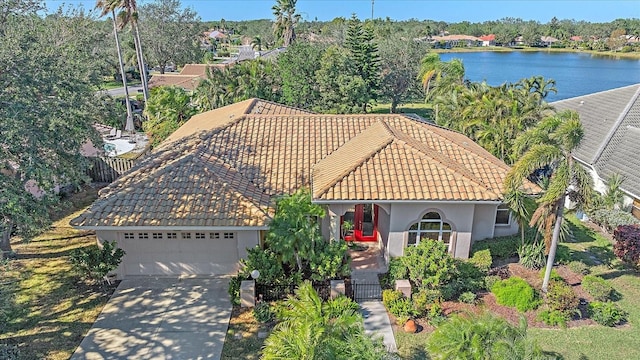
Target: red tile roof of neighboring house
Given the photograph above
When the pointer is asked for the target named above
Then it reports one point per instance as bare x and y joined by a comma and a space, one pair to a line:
490, 37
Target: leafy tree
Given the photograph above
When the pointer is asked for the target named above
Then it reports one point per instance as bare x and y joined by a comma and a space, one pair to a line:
399, 70
297, 68
550, 144
167, 109
47, 107
286, 21
482, 337
340, 90
310, 329
365, 59
95, 263
170, 33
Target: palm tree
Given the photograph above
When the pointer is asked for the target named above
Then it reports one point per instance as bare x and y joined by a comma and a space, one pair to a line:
550, 144
311, 329
286, 21
256, 43
109, 6
130, 16
444, 75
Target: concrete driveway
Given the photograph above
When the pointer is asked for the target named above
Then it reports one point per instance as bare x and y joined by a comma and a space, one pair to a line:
161, 318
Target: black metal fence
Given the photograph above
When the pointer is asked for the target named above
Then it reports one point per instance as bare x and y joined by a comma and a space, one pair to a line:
268, 292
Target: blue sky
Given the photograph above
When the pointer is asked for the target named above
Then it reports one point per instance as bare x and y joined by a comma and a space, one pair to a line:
439, 10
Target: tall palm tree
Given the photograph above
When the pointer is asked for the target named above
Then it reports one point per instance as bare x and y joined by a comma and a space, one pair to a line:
129, 15
439, 77
311, 329
286, 21
110, 6
550, 144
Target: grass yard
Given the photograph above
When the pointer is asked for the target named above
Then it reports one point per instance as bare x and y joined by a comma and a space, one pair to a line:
599, 342
242, 341
419, 108
44, 311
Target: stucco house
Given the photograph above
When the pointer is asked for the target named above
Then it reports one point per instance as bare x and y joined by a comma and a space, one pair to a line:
206, 194
611, 122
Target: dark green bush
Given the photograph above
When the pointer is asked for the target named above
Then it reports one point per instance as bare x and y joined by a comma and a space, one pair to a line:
267, 262
515, 292
95, 263
482, 260
561, 297
579, 267
563, 254
263, 313
607, 313
429, 264
597, 287
234, 289
500, 247
467, 297
397, 271
554, 317
532, 255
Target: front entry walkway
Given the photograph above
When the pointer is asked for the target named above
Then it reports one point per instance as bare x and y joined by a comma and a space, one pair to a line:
365, 266
161, 318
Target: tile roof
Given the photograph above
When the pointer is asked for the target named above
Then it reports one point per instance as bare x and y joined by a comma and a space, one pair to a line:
188, 79
222, 167
611, 122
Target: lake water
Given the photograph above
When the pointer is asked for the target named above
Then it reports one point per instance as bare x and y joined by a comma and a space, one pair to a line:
575, 73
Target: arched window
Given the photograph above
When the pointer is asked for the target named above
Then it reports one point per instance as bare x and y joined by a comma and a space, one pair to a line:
430, 227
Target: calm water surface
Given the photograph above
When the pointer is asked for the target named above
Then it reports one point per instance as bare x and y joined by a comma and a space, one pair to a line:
575, 74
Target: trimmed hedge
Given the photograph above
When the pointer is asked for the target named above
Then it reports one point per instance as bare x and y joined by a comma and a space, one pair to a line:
500, 247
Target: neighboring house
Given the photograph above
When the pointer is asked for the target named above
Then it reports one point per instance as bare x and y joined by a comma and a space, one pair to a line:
488, 40
547, 41
206, 194
451, 41
611, 143
188, 79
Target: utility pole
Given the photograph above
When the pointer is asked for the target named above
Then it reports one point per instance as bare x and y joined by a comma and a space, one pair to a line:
372, 9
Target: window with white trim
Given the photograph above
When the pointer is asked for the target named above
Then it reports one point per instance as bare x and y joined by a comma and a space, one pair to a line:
143, 235
185, 235
172, 235
200, 235
129, 236
503, 215
430, 227
156, 235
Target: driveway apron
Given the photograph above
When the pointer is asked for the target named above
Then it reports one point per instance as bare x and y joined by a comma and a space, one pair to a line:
161, 318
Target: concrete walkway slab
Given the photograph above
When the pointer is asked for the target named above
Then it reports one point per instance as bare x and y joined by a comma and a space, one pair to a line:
376, 323
161, 318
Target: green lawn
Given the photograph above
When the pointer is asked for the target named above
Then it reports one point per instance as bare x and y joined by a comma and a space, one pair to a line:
419, 108
43, 309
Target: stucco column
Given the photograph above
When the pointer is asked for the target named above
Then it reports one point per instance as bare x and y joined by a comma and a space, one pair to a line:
334, 226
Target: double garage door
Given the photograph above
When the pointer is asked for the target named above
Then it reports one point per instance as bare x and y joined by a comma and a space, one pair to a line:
179, 253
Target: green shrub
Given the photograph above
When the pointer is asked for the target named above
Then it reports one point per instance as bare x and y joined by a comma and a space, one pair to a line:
482, 260
467, 297
424, 299
597, 287
499, 247
234, 289
9, 352
389, 296
490, 280
561, 297
402, 309
579, 268
515, 292
436, 316
611, 219
429, 264
397, 271
328, 261
263, 313
468, 278
563, 254
553, 277
95, 263
554, 317
532, 255
606, 313
267, 262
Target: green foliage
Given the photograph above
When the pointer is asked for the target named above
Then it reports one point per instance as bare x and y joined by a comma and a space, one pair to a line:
500, 248
468, 278
263, 313
297, 67
553, 277
95, 263
365, 59
9, 352
429, 264
397, 271
610, 219
234, 289
467, 297
490, 280
267, 262
329, 261
341, 90
424, 299
563, 254
390, 296
607, 313
579, 267
532, 255
561, 297
554, 317
436, 315
166, 110
515, 292
312, 329
482, 337
402, 309
482, 260
598, 287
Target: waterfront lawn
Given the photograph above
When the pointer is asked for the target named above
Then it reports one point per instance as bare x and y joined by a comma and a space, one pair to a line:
44, 311
419, 108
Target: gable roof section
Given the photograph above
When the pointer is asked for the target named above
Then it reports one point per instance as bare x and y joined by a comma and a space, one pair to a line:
600, 113
223, 167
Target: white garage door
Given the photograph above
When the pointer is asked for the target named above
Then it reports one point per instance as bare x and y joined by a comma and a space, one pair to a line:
181, 253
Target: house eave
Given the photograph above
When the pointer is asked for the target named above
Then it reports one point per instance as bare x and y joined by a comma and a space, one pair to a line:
171, 228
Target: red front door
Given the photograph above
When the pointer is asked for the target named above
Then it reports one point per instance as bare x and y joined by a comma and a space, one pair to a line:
364, 218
